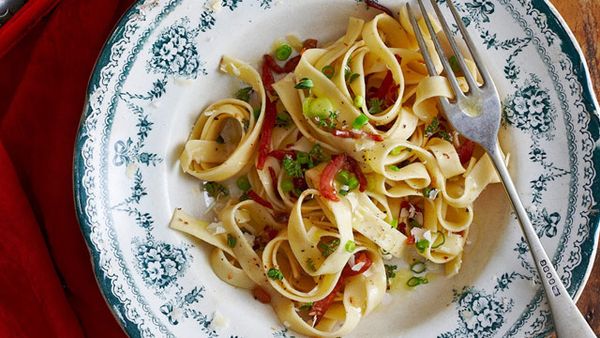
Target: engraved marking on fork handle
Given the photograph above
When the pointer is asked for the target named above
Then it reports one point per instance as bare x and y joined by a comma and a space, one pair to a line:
550, 278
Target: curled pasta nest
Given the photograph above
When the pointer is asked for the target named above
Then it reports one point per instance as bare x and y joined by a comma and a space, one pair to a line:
295, 245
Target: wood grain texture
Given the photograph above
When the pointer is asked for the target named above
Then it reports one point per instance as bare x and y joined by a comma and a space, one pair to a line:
583, 17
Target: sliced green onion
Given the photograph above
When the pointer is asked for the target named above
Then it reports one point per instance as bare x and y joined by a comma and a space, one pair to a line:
439, 241
360, 121
344, 192
352, 183
418, 267
394, 223
329, 71
359, 101
397, 151
231, 241
394, 168
350, 246
243, 183
287, 186
283, 52
320, 107
274, 274
305, 83
343, 176
415, 281
422, 244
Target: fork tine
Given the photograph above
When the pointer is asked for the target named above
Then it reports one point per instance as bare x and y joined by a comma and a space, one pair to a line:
438, 47
470, 45
458, 54
421, 42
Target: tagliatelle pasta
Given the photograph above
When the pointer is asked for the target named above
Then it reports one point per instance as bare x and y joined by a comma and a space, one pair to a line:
328, 165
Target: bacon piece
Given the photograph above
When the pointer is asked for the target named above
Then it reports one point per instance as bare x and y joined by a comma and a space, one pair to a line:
256, 198
373, 4
264, 144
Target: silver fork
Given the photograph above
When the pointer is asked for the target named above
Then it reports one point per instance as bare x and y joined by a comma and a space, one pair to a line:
476, 115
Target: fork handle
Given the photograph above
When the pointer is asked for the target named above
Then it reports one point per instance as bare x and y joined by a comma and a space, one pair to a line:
568, 321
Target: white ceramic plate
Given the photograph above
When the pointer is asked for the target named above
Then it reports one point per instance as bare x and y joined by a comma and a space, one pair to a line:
159, 69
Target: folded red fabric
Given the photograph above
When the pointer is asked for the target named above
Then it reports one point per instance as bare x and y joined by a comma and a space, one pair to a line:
47, 285
25, 19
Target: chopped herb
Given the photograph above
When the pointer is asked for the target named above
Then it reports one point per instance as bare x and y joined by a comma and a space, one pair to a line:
432, 127
418, 267
352, 77
231, 241
344, 191
445, 135
215, 190
350, 246
274, 274
397, 151
360, 121
454, 64
283, 52
329, 71
283, 119
394, 168
244, 94
292, 167
306, 306
256, 113
430, 193
243, 183
317, 154
328, 248
304, 159
305, 83
311, 264
415, 281
422, 244
390, 271
329, 122
359, 101
439, 241
220, 140
375, 106
394, 223
287, 186
413, 223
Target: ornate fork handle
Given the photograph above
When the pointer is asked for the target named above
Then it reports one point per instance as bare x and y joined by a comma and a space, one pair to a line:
568, 321
482, 128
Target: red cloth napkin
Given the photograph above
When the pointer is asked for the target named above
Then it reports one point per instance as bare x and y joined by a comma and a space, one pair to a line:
47, 288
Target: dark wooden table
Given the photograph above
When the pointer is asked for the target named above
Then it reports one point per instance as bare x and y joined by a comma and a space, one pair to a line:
583, 16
